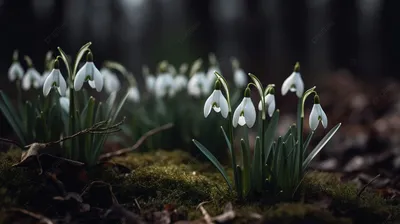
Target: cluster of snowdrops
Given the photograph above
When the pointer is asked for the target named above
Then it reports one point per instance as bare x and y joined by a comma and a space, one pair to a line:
277, 165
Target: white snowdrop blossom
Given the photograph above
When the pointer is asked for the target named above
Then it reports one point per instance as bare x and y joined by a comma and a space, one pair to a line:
111, 81
198, 85
89, 72
31, 78
269, 102
245, 113
134, 94
15, 71
64, 103
55, 80
240, 78
216, 101
164, 85
294, 82
150, 81
317, 114
180, 82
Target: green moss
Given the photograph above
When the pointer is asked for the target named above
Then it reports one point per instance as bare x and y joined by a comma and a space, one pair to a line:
368, 206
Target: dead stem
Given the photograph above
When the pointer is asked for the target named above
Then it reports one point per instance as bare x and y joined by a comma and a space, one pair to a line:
138, 143
41, 218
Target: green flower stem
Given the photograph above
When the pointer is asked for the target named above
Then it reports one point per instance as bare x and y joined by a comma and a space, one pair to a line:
19, 94
235, 173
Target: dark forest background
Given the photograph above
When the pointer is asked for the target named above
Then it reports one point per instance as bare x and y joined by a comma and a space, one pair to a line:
267, 36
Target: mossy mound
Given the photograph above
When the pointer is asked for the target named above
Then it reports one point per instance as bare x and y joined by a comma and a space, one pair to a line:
161, 178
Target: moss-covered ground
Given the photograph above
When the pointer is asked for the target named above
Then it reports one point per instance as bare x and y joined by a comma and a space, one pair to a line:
159, 179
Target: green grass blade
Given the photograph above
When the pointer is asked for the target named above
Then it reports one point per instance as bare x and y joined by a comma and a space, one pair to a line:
270, 134
79, 56
119, 107
320, 145
214, 161
88, 123
10, 114
307, 142
256, 167
246, 167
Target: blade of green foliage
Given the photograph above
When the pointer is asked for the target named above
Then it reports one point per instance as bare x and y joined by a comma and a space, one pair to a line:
240, 178
88, 123
307, 142
79, 56
256, 167
246, 167
214, 161
119, 107
270, 133
320, 145
11, 115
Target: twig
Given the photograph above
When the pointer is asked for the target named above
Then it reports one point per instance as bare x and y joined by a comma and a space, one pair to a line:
365, 186
12, 142
41, 218
138, 143
206, 216
95, 129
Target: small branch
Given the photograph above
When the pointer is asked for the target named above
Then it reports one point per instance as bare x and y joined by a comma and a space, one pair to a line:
206, 216
41, 218
138, 143
365, 186
95, 129
11, 142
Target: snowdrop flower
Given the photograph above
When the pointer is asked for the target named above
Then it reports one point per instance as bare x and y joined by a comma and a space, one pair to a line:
317, 115
149, 79
269, 101
111, 81
15, 71
64, 103
180, 80
134, 95
32, 77
217, 102
245, 113
198, 85
55, 80
89, 72
239, 76
164, 85
294, 83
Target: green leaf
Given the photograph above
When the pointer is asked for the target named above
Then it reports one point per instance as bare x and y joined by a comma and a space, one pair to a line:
213, 160
119, 107
307, 142
246, 167
240, 185
256, 168
79, 56
320, 145
88, 123
64, 57
110, 103
270, 133
12, 117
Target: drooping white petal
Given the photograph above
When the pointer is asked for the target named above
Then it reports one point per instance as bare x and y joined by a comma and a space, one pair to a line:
134, 95
62, 85
298, 82
15, 71
240, 78
260, 105
313, 120
208, 105
98, 78
236, 114
287, 84
324, 119
48, 83
271, 108
80, 78
64, 103
26, 82
249, 112
223, 104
